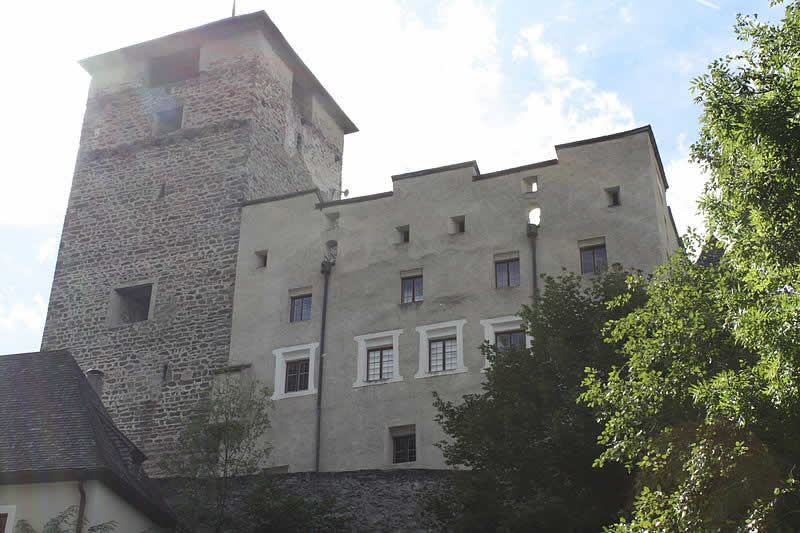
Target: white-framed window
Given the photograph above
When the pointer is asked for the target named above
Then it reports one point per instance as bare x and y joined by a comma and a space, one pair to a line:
295, 371
378, 360
441, 349
7, 513
503, 324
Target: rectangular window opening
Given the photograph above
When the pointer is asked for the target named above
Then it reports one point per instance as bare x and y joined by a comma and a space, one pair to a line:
301, 308
403, 234
261, 259
509, 340
169, 120
174, 67
404, 448
457, 225
530, 184
411, 290
380, 363
297, 375
303, 100
506, 273
593, 259
442, 354
613, 196
131, 304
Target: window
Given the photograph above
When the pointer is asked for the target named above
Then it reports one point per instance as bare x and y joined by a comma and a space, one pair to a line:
174, 67
295, 371
593, 259
509, 340
377, 358
535, 215
303, 100
442, 355
169, 120
380, 363
403, 234
405, 449
301, 308
530, 184
411, 290
457, 225
131, 304
3, 520
613, 196
261, 259
7, 513
297, 375
506, 273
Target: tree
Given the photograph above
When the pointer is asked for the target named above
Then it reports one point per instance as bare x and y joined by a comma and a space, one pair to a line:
527, 443
223, 440
64, 522
706, 404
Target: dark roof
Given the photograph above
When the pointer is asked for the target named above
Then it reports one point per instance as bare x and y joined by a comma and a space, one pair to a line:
53, 427
644, 129
220, 29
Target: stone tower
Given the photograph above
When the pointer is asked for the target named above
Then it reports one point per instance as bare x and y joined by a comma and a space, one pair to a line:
178, 133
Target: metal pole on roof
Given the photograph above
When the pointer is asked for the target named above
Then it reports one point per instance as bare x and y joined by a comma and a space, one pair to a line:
233, 11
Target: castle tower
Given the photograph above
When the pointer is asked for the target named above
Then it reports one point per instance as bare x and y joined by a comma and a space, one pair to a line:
178, 133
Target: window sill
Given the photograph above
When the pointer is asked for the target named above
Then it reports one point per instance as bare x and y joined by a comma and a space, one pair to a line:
359, 384
507, 287
409, 304
442, 373
284, 395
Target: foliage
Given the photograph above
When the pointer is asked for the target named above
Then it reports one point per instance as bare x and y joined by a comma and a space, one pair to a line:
529, 446
707, 402
64, 522
222, 440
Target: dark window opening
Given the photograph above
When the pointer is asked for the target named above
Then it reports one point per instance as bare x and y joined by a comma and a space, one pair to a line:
593, 259
411, 290
509, 340
3, 520
169, 120
405, 449
457, 225
380, 363
297, 375
164, 371
613, 196
301, 308
404, 233
132, 304
174, 67
506, 273
302, 97
261, 257
442, 354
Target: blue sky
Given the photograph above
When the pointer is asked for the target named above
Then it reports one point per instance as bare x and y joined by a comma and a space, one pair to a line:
427, 82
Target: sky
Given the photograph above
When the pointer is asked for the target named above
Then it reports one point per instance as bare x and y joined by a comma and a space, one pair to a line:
427, 82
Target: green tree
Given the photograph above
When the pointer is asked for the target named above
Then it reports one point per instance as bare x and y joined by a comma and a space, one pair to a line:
65, 522
527, 443
707, 402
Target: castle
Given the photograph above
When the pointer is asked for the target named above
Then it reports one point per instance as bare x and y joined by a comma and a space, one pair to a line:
205, 235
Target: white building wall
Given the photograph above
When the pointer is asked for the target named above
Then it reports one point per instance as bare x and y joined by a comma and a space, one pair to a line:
458, 277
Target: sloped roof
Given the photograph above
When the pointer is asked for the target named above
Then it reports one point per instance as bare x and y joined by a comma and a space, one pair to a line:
53, 427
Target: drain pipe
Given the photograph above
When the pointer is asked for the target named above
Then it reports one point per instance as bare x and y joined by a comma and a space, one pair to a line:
325, 270
533, 232
81, 508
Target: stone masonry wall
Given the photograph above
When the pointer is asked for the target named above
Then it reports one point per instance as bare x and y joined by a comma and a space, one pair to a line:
164, 209
377, 500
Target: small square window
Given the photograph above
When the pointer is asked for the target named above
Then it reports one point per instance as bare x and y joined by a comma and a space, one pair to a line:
509, 340
457, 225
593, 259
131, 304
530, 184
411, 290
301, 308
169, 120
297, 375
506, 273
403, 234
613, 196
442, 355
405, 448
380, 363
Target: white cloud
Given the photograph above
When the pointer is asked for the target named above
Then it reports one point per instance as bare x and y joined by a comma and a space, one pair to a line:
17, 315
545, 56
686, 182
582, 48
625, 14
48, 250
707, 3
